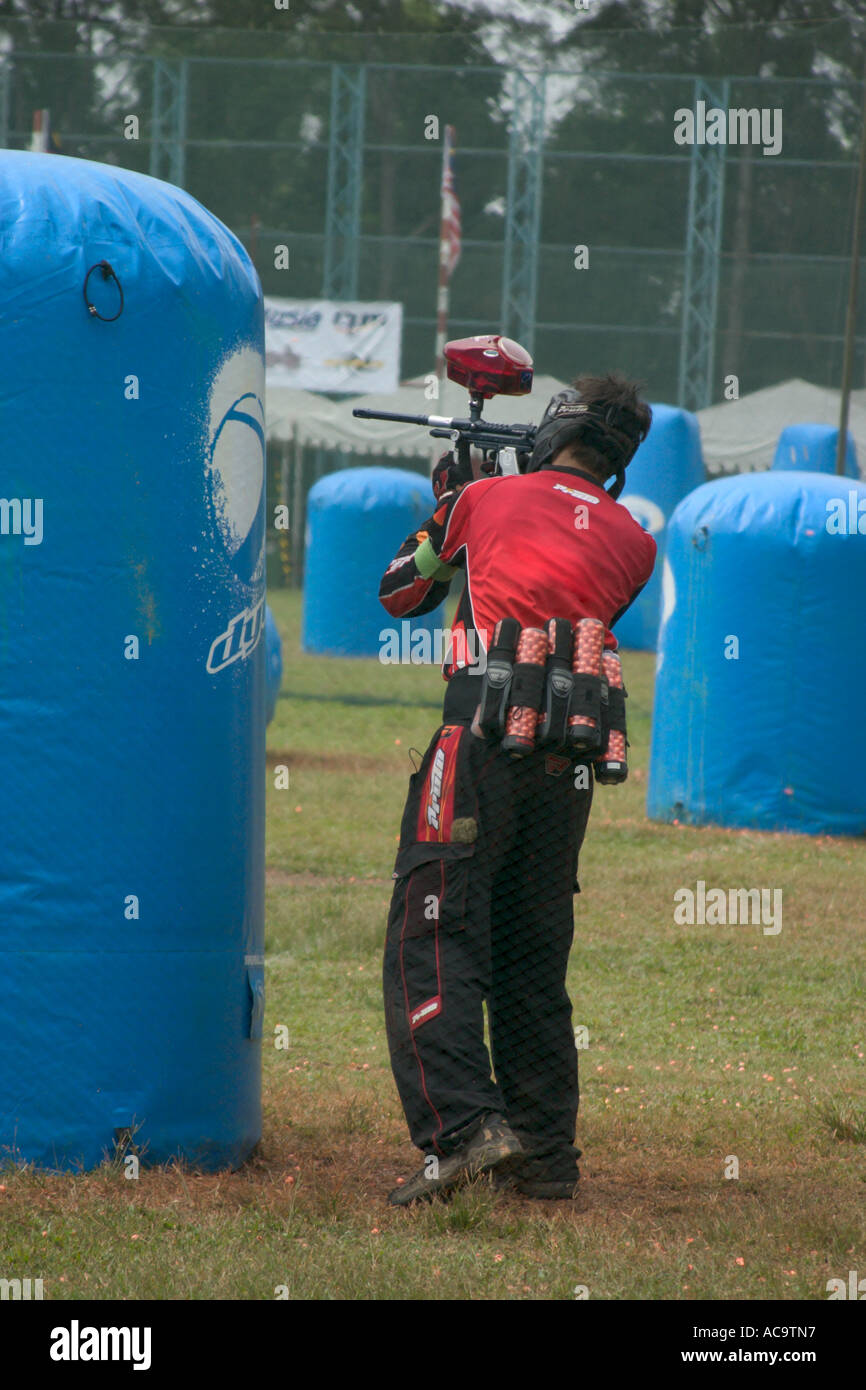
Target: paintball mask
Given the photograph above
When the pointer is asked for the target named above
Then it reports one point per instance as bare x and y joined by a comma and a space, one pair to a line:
605, 428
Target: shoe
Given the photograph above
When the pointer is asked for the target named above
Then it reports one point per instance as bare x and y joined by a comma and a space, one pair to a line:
545, 1177
492, 1144
542, 1189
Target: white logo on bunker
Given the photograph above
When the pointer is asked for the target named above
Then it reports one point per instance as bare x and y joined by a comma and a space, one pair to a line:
235, 477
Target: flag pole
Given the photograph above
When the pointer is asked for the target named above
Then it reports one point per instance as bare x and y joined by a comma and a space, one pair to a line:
40, 139
442, 300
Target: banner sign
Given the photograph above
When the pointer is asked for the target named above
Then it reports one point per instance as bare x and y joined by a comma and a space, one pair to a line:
320, 345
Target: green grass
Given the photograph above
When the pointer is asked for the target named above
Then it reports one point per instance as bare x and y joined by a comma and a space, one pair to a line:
705, 1043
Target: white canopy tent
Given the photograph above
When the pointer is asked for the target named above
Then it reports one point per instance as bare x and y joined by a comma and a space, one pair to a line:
286, 407
741, 436
737, 436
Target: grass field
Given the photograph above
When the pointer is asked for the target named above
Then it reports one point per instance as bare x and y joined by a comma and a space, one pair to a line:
706, 1044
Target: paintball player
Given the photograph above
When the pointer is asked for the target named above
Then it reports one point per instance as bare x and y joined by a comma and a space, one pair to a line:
482, 904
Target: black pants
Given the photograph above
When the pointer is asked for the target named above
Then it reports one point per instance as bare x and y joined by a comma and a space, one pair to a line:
482, 910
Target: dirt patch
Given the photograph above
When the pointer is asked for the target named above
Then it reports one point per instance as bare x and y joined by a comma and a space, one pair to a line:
329, 1175
336, 762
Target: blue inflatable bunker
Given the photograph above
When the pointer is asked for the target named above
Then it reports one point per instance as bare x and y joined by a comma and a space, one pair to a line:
758, 708
357, 519
132, 702
666, 467
813, 448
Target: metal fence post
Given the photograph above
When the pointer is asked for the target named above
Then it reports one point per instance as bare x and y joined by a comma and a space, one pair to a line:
168, 121
5, 101
702, 259
523, 207
345, 161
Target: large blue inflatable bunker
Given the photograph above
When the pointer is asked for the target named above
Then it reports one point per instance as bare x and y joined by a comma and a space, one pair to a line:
132, 702
758, 708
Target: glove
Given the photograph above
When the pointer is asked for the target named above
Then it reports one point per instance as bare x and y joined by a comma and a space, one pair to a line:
432, 533
441, 478
452, 472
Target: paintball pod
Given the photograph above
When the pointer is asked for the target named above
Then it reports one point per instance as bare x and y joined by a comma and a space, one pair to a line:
489, 365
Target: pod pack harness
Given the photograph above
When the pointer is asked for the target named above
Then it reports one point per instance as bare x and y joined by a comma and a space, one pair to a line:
553, 688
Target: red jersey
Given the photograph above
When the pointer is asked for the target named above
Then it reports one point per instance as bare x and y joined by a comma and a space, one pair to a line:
551, 544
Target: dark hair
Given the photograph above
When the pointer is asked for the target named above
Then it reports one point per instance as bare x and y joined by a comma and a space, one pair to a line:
620, 421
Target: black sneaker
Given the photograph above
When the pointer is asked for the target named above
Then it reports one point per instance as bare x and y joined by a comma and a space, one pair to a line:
546, 1177
492, 1144
543, 1189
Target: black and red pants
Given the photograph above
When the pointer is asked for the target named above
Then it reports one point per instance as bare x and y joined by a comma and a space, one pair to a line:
482, 911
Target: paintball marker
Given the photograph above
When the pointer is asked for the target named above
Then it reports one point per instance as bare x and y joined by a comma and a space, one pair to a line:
489, 365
